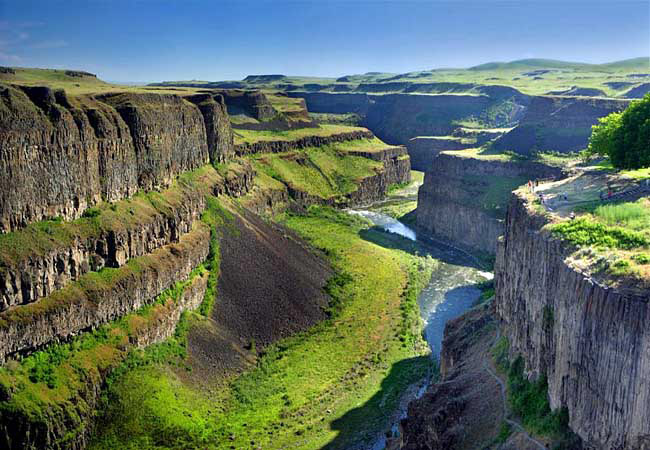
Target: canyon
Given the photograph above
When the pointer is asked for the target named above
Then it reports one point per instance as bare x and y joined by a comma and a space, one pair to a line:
249, 259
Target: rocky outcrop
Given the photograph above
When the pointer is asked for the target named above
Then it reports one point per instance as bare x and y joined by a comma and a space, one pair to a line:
424, 149
397, 170
280, 146
638, 91
589, 339
463, 410
68, 424
252, 103
43, 257
40, 265
221, 147
60, 154
561, 124
464, 199
97, 298
168, 135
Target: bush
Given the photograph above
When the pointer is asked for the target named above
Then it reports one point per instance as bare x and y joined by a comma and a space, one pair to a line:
529, 400
624, 136
641, 258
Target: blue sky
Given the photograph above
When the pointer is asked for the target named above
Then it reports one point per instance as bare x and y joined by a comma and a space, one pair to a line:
151, 40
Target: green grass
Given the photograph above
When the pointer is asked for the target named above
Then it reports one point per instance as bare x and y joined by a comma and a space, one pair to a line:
252, 136
50, 386
325, 172
529, 400
333, 384
283, 104
494, 192
585, 232
337, 119
631, 215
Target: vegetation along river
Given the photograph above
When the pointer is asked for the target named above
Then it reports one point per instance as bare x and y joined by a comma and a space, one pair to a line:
451, 290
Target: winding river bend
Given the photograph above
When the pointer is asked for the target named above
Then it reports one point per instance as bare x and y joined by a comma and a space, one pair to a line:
450, 292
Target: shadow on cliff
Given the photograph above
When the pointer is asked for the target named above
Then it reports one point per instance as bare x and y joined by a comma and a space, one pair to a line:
437, 250
373, 416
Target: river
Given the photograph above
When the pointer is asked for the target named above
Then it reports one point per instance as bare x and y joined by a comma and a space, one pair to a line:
451, 290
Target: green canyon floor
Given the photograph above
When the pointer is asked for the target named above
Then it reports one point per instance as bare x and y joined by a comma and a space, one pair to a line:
333, 386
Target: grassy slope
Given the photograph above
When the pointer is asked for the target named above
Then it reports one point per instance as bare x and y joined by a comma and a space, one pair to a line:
343, 378
49, 386
251, 136
325, 172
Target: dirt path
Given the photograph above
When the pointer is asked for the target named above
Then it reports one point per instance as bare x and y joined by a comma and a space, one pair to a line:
504, 399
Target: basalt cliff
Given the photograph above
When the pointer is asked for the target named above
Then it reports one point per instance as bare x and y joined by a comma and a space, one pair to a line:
121, 211
589, 339
464, 198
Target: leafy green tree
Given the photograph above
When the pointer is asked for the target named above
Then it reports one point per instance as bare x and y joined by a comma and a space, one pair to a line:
624, 137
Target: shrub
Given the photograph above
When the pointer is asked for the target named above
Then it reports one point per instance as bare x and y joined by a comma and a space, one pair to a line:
641, 258
91, 212
584, 232
529, 400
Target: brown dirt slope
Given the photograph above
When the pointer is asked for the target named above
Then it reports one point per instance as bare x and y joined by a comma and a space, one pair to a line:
270, 286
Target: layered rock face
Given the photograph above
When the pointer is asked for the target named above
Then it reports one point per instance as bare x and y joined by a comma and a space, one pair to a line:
59, 155
396, 118
19, 431
280, 146
33, 264
424, 149
168, 134
453, 202
591, 341
251, 103
217, 126
561, 124
95, 300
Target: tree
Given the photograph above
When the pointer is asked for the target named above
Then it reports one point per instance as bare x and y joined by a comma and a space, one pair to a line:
624, 137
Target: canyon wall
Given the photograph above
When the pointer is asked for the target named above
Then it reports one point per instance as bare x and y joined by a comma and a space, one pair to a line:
98, 298
396, 118
280, 146
60, 155
590, 340
424, 149
464, 199
561, 124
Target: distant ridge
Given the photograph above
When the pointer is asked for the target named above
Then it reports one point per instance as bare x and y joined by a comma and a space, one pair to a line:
538, 63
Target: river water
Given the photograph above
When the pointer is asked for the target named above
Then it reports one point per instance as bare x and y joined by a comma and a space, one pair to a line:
449, 293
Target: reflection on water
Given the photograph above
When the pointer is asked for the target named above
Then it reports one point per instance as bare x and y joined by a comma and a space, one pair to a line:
386, 222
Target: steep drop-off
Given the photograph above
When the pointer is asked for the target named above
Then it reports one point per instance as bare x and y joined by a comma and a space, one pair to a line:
464, 198
396, 118
590, 340
561, 124
60, 155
